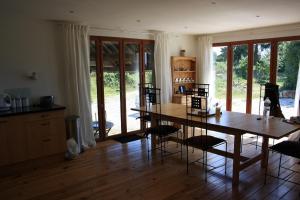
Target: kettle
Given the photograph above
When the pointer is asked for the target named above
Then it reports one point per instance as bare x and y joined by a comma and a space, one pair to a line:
5, 102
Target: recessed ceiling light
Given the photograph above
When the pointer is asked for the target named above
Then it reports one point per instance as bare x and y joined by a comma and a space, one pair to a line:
257, 16
71, 11
186, 27
138, 20
213, 3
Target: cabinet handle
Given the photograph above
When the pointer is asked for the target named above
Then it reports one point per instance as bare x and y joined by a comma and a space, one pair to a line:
3, 122
45, 115
46, 140
45, 124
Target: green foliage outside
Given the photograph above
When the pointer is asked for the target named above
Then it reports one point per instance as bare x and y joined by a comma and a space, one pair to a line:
288, 65
112, 83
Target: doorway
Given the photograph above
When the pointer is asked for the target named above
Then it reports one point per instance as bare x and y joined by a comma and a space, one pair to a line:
118, 67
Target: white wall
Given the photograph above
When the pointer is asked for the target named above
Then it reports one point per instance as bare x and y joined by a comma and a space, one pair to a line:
29, 45
180, 41
258, 33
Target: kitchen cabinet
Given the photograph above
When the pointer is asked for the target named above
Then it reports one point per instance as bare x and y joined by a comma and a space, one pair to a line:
31, 136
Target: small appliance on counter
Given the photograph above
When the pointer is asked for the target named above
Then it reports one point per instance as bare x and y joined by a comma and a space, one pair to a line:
5, 102
46, 101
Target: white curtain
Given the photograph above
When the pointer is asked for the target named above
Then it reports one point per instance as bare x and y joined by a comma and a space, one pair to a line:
77, 79
205, 71
296, 136
162, 66
297, 95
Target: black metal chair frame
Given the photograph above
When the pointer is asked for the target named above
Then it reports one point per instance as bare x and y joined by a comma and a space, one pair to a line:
196, 104
286, 178
152, 98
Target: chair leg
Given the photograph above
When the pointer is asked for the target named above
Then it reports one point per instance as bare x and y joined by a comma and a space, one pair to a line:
164, 143
226, 158
193, 134
279, 165
161, 150
181, 146
148, 148
187, 159
177, 139
256, 143
242, 141
205, 166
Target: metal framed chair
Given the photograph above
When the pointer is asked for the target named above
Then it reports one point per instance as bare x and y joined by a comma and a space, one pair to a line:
197, 109
287, 148
96, 129
152, 97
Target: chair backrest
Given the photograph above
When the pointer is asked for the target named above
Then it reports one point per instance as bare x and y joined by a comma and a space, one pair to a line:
196, 108
202, 89
152, 97
272, 92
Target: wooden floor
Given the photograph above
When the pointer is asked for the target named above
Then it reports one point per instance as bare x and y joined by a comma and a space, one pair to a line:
121, 171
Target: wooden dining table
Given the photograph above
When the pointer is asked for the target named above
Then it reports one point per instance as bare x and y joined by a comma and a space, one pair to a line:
232, 123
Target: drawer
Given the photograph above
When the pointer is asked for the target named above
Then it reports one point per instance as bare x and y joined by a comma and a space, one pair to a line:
45, 115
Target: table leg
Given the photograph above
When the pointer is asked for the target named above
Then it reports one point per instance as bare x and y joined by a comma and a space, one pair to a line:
236, 160
265, 152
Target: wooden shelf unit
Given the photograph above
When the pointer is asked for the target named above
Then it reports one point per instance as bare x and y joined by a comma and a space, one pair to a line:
183, 72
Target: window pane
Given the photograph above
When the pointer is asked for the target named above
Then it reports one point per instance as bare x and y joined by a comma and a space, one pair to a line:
220, 63
261, 74
93, 81
287, 72
132, 80
149, 62
111, 75
239, 78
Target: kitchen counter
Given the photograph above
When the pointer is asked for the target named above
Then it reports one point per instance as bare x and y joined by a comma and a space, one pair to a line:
30, 109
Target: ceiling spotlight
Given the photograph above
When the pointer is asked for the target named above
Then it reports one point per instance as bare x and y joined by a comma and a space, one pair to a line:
213, 3
257, 16
186, 27
138, 20
71, 11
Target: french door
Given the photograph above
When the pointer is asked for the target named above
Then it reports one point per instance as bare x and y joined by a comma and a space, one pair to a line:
244, 66
120, 66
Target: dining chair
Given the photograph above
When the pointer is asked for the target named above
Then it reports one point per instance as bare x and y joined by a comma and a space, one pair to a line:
286, 148
96, 129
197, 110
159, 128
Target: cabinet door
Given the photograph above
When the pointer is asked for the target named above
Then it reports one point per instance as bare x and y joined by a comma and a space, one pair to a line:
55, 140
36, 131
46, 137
4, 142
17, 140
13, 147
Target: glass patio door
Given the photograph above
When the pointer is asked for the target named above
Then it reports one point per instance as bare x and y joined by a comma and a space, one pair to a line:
132, 80
117, 67
111, 86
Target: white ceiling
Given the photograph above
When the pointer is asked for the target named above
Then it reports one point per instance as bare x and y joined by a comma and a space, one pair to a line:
182, 16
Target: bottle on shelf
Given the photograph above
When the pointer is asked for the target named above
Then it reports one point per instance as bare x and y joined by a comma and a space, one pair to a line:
267, 106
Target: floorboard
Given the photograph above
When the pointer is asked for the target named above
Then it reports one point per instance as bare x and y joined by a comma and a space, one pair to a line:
122, 171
